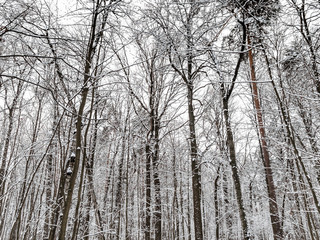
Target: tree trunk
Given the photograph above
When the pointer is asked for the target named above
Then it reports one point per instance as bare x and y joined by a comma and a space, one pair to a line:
175, 203
216, 204
273, 205
195, 169
50, 176
234, 169
119, 194
75, 167
147, 230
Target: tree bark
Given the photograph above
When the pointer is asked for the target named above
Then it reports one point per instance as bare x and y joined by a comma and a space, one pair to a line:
216, 204
195, 169
147, 230
91, 49
273, 205
234, 169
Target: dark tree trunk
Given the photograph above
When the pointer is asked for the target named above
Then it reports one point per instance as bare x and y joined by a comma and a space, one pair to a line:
195, 168
216, 204
234, 170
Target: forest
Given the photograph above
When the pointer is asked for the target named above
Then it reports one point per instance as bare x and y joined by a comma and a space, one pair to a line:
159, 119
